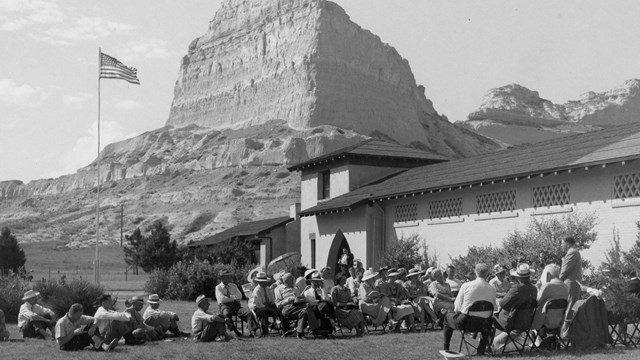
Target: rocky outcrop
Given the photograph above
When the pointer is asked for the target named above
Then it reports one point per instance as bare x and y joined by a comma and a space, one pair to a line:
513, 114
305, 62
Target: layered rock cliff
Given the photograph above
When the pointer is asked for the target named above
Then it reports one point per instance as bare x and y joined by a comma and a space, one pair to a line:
513, 114
305, 62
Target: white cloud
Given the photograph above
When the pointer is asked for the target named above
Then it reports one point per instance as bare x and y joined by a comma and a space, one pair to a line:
151, 49
85, 149
7, 124
24, 95
75, 99
127, 105
86, 28
25, 12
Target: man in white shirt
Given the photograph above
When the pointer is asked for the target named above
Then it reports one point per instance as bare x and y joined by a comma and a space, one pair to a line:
470, 292
262, 303
75, 331
290, 306
161, 320
207, 327
499, 282
228, 297
33, 319
452, 281
113, 324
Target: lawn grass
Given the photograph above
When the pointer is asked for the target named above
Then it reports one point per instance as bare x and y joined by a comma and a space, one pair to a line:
403, 346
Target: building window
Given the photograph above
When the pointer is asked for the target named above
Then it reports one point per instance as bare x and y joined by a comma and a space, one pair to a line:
496, 202
324, 185
445, 208
312, 237
408, 212
626, 186
549, 195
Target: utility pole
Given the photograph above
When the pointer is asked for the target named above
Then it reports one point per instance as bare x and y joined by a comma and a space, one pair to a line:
121, 222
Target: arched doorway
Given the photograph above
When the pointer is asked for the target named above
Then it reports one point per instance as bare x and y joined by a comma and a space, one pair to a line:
339, 242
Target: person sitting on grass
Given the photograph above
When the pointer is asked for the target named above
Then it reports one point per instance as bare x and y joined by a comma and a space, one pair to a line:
141, 331
161, 320
347, 312
290, 306
418, 295
470, 292
4, 333
228, 297
113, 324
34, 319
75, 331
262, 303
206, 326
372, 302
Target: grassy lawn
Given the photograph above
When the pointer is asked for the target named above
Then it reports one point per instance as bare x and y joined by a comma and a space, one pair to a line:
380, 346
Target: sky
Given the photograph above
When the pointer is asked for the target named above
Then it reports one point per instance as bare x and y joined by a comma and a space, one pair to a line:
457, 49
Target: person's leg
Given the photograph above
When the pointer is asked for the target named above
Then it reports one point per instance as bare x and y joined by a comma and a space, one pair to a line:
210, 332
35, 329
450, 323
78, 342
303, 319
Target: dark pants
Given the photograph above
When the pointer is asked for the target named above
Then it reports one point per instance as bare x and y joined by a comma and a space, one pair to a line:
263, 314
117, 329
457, 321
211, 331
78, 342
295, 311
32, 328
228, 310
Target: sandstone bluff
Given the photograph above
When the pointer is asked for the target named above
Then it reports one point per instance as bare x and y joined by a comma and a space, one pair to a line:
271, 83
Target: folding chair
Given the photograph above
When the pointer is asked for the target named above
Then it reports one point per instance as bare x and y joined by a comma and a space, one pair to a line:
479, 318
554, 311
522, 320
374, 328
634, 337
238, 322
617, 330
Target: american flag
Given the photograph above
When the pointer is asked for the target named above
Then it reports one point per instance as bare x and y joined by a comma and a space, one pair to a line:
111, 68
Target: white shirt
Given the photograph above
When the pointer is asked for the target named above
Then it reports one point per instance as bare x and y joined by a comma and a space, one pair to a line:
104, 316
65, 326
228, 293
472, 291
27, 312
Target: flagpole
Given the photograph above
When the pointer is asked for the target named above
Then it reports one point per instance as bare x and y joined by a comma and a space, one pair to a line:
96, 262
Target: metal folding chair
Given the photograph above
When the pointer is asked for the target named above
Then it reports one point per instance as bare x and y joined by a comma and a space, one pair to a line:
523, 318
479, 318
554, 311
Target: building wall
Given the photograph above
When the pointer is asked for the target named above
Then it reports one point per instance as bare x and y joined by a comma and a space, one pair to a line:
590, 191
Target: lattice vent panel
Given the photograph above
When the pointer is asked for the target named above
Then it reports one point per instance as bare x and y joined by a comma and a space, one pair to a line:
496, 202
445, 208
408, 212
626, 186
549, 195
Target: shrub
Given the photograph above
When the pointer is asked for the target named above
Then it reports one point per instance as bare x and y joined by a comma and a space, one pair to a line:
157, 251
11, 255
407, 253
59, 296
12, 289
189, 278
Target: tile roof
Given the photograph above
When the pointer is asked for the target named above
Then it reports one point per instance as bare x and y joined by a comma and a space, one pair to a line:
593, 148
371, 148
244, 229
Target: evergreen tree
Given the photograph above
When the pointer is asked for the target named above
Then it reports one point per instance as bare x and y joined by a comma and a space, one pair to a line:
157, 251
11, 255
132, 250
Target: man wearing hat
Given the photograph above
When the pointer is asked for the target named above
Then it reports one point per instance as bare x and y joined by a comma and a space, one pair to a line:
291, 306
74, 331
161, 320
207, 327
262, 303
113, 324
141, 331
34, 319
228, 297
520, 293
499, 282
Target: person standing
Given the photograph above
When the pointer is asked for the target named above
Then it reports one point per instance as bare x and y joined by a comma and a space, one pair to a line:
571, 272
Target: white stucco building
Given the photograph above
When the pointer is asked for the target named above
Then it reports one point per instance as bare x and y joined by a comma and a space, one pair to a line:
369, 195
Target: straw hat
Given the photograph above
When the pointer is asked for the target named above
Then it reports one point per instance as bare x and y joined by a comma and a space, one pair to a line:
316, 277
154, 299
201, 298
451, 354
224, 272
30, 295
393, 272
414, 272
369, 274
523, 271
137, 298
309, 272
261, 277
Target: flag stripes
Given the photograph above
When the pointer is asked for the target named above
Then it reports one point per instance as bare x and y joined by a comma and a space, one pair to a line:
112, 68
